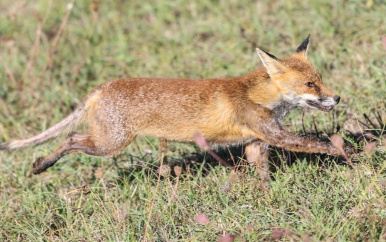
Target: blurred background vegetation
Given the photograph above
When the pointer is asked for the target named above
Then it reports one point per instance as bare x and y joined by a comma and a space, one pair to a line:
52, 53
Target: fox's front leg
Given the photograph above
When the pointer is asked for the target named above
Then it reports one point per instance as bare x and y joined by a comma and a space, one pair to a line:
257, 155
272, 133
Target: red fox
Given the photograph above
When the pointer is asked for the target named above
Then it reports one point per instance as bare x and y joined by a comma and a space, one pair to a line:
247, 109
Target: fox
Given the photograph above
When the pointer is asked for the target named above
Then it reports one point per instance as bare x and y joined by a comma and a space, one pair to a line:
248, 110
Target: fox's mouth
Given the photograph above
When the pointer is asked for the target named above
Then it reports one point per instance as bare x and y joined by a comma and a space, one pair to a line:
320, 106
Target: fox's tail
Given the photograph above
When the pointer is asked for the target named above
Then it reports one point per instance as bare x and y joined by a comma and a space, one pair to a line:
66, 125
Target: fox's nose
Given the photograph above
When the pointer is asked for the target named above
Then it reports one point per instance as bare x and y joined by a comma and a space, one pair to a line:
336, 98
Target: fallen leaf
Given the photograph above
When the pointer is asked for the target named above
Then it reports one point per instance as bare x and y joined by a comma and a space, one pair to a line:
99, 173
307, 238
177, 170
227, 238
337, 141
369, 136
232, 176
277, 233
201, 218
384, 41
199, 139
370, 147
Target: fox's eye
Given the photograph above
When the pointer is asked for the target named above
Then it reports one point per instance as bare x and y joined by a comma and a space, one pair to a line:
310, 84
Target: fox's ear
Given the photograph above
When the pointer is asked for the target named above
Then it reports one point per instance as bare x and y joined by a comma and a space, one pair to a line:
303, 47
270, 62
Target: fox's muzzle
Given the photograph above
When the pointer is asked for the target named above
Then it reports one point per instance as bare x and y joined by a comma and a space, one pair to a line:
324, 104
336, 99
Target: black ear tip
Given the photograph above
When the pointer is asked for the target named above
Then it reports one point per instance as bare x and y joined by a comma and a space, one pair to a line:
266, 52
304, 45
306, 40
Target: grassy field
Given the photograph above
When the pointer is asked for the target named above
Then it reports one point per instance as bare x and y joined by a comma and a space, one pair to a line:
53, 53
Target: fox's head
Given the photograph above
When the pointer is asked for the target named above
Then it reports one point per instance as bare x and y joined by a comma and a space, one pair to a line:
293, 80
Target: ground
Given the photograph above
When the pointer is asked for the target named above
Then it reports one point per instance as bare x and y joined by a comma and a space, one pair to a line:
53, 53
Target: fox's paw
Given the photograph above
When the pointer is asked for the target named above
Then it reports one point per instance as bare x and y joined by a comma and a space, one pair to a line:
39, 166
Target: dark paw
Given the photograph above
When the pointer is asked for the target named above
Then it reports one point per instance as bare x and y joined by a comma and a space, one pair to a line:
38, 166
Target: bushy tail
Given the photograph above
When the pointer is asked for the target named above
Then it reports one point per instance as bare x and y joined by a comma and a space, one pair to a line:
66, 125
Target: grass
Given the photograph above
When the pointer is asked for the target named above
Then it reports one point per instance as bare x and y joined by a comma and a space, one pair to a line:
52, 56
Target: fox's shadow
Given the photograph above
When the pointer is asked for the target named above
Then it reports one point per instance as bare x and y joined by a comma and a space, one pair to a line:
200, 162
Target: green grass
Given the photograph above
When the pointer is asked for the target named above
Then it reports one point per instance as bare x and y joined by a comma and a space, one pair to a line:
44, 75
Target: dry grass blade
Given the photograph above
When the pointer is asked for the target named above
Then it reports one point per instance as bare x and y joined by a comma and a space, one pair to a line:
128, 200
59, 33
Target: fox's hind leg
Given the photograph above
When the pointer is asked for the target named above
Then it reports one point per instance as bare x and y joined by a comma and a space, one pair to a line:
81, 143
257, 155
163, 149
